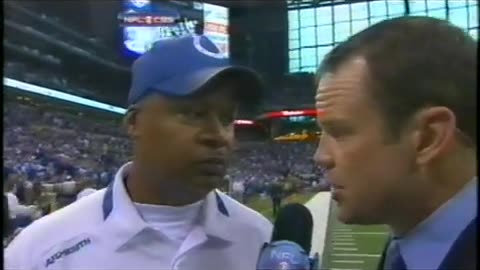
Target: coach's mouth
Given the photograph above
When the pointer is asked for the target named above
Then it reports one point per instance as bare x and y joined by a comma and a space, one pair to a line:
212, 166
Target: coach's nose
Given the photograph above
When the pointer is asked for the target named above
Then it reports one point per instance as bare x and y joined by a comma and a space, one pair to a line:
215, 133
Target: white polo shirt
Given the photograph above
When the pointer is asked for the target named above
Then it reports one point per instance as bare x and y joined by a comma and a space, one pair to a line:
84, 193
105, 231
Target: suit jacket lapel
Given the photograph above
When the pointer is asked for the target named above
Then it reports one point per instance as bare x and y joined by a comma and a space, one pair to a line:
463, 252
384, 254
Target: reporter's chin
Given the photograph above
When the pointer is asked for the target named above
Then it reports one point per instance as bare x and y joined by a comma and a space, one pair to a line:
358, 217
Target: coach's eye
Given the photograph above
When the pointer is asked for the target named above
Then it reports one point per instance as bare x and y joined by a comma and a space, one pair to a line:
193, 114
196, 114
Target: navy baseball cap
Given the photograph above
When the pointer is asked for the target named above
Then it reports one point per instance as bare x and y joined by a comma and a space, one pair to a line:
182, 66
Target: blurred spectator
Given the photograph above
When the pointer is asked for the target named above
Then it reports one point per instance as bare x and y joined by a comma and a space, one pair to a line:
238, 190
19, 215
276, 192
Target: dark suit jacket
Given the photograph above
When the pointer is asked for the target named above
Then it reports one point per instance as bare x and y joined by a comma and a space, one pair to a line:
461, 256
276, 191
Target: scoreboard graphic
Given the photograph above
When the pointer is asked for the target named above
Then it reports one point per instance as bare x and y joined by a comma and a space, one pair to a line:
144, 22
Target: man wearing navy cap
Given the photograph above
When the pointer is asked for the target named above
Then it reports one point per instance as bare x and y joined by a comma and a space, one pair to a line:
163, 210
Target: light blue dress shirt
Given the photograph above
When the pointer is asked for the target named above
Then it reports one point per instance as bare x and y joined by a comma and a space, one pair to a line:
428, 244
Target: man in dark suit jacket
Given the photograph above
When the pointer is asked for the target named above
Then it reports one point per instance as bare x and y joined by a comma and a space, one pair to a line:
461, 255
276, 195
396, 104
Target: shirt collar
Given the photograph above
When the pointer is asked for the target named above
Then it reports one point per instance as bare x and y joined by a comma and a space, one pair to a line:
440, 230
119, 212
215, 218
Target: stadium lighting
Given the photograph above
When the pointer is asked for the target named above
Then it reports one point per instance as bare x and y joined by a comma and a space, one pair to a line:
23, 86
60, 95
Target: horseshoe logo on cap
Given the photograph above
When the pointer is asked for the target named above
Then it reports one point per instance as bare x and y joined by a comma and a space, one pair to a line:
200, 48
140, 3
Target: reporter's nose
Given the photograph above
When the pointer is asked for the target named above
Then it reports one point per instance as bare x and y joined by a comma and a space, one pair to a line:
322, 158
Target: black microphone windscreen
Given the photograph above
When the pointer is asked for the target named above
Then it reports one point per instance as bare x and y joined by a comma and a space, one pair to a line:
294, 223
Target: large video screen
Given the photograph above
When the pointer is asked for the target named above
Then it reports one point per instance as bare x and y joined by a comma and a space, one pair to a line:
143, 22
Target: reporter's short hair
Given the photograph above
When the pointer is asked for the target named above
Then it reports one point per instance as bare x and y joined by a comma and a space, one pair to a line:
415, 62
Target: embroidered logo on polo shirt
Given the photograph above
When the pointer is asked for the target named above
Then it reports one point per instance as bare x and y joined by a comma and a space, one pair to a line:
67, 251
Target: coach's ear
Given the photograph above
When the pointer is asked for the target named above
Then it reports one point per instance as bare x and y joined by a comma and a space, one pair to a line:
130, 122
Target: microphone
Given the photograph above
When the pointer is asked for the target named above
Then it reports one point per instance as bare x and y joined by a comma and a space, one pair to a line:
291, 241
